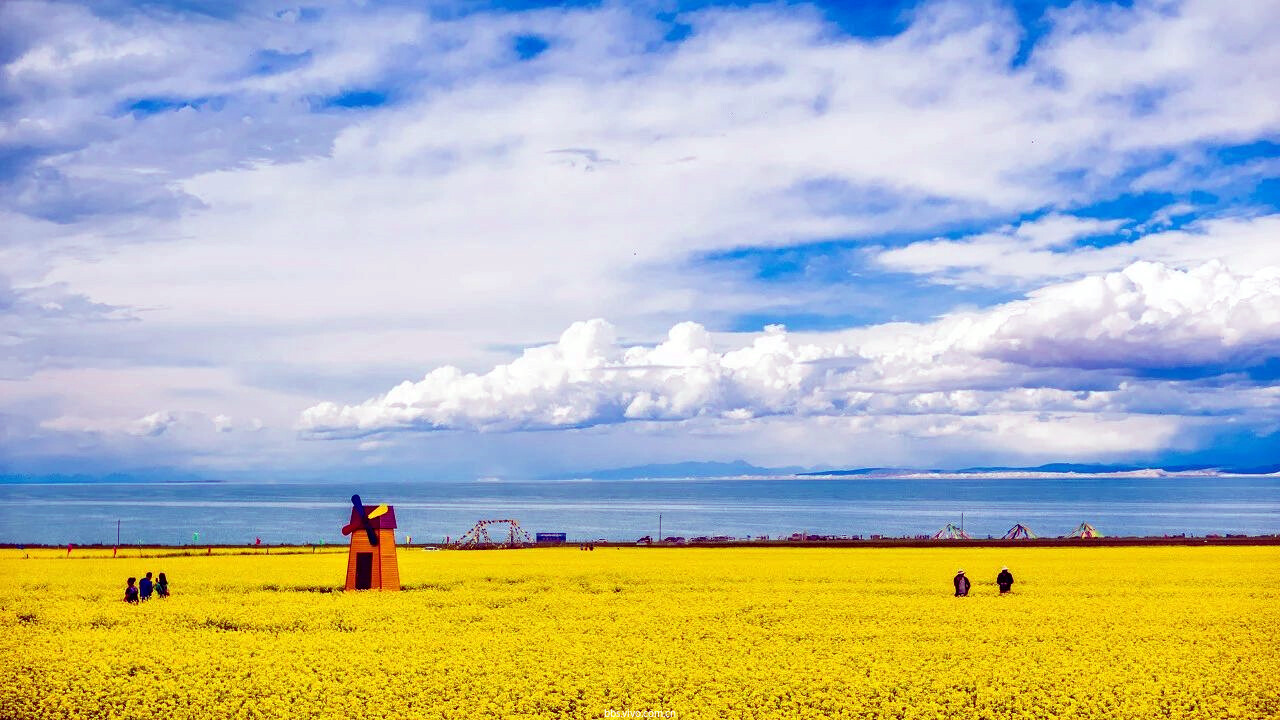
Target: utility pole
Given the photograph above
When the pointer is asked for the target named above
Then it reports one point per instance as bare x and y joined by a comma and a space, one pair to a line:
117, 533
961, 522
659, 527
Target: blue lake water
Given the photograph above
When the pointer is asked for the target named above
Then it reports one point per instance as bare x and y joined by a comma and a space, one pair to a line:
629, 509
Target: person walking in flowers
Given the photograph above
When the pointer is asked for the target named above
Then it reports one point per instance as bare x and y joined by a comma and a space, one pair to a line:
1005, 580
961, 584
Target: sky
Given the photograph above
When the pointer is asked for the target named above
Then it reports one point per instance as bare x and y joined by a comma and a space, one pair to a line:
471, 239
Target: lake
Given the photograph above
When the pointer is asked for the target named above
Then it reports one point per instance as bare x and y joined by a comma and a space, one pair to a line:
239, 512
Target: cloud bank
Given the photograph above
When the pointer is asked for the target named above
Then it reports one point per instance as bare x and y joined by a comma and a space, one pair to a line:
1049, 352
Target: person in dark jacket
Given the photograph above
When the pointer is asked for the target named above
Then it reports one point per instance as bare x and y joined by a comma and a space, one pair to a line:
144, 587
1005, 580
162, 586
962, 584
131, 592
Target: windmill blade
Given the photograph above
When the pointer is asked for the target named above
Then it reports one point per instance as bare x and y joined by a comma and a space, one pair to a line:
364, 520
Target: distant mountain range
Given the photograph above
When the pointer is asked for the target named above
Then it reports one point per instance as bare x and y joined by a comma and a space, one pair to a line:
1099, 469
735, 468
741, 468
151, 476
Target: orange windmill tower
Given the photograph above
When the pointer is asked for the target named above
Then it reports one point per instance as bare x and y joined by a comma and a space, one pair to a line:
371, 563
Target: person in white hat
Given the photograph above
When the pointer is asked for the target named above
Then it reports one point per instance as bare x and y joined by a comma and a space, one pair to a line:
1005, 580
962, 584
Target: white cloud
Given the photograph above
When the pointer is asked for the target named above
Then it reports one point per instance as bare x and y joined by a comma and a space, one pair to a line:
154, 424
1042, 433
995, 259
1032, 249
1148, 317
1057, 230
254, 238
587, 378
151, 425
719, 144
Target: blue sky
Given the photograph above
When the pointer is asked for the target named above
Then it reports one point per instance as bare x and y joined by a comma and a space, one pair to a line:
472, 239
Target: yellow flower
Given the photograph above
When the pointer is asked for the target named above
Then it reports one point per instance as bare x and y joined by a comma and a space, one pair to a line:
735, 633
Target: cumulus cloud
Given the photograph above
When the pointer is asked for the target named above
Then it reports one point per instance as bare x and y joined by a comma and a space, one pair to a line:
153, 425
1148, 317
587, 378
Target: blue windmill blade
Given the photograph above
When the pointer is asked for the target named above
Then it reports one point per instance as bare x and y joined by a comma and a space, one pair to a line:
364, 519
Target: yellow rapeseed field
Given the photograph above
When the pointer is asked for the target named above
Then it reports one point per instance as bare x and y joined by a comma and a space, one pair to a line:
687, 633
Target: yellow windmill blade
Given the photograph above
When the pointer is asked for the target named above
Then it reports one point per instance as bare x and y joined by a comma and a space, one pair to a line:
380, 510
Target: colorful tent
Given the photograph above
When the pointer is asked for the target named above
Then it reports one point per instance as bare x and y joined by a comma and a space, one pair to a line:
1020, 532
1085, 530
950, 532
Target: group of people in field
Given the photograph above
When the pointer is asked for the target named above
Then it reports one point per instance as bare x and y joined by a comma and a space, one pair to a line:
962, 584
141, 590
137, 591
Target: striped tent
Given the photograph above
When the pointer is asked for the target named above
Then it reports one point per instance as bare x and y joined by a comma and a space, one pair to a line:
1020, 532
950, 532
1085, 530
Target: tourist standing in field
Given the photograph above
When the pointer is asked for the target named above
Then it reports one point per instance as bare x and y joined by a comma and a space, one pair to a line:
145, 586
961, 583
131, 592
162, 586
1005, 580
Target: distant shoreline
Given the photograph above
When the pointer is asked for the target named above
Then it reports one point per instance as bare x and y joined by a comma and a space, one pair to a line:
38, 481
834, 475
1159, 541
